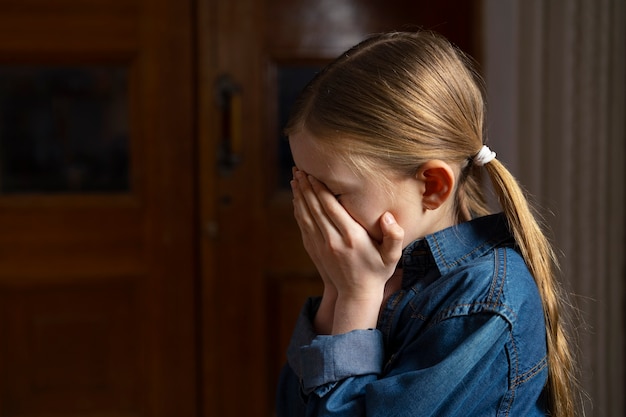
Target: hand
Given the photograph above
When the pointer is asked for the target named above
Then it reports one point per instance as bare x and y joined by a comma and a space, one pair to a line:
323, 321
347, 258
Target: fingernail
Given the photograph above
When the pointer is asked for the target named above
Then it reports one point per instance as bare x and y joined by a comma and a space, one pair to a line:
388, 218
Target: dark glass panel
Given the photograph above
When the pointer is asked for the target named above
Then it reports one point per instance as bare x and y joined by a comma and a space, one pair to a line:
64, 129
291, 80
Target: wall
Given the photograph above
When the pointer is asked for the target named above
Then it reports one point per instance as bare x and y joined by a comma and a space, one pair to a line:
555, 73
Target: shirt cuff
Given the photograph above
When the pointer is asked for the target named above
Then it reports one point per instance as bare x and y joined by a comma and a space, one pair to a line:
319, 360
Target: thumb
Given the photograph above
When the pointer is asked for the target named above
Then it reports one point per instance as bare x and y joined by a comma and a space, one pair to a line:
393, 236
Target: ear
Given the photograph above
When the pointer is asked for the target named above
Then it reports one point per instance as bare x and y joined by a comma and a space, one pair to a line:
439, 181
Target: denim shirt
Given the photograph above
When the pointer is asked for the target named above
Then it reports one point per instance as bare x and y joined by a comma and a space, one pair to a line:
465, 336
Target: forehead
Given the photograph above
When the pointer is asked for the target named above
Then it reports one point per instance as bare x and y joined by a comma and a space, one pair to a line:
319, 161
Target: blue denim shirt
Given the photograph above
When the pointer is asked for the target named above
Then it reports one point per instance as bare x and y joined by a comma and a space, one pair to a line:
465, 336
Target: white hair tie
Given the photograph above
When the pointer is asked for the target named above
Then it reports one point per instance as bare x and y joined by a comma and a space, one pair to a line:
484, 156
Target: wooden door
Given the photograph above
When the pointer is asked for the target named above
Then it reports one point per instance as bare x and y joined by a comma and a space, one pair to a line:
255, 272
97, 308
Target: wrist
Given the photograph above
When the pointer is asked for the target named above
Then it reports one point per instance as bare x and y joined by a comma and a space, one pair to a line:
323, 320
330, 293
356, 312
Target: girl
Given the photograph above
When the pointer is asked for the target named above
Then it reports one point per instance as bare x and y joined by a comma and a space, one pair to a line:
431, 305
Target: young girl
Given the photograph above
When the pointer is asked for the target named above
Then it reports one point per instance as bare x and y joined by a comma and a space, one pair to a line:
431, 305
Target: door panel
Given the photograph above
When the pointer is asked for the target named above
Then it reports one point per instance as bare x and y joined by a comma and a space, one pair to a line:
63, 358
256, 274
97, 303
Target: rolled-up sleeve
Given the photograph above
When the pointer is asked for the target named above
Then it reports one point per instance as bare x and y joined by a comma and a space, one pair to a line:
333, 358
320, 360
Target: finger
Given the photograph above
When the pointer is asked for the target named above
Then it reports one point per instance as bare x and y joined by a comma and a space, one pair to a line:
393, 237
335, 212
309, 231
301, 211
325, 225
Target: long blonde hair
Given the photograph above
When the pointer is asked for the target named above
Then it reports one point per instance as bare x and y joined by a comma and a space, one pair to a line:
400, 99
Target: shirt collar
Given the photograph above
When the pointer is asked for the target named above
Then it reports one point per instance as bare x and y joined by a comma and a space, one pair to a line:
452, 247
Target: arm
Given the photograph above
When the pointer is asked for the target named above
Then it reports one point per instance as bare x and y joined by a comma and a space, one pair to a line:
431, 376
459, 367
317, 364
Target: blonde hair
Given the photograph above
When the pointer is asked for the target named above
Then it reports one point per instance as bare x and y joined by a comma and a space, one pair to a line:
400, 99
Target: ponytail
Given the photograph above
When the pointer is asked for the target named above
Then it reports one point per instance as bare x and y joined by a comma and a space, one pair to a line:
542, 263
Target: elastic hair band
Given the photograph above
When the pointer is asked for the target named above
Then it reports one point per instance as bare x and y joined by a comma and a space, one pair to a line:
484, 156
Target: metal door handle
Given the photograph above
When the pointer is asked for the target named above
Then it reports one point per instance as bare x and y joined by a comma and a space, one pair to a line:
228, 95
